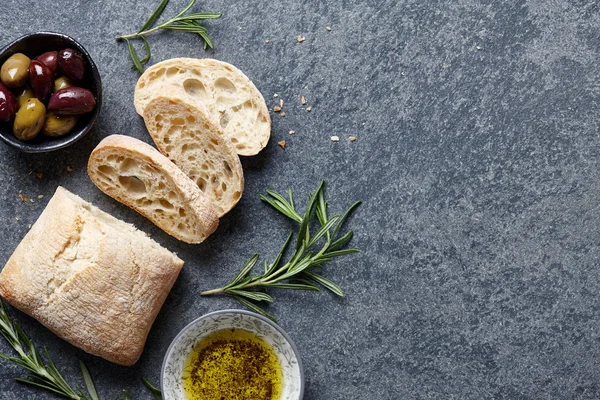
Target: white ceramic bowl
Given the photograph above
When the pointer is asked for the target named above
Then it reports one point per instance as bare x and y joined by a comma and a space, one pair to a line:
172, 368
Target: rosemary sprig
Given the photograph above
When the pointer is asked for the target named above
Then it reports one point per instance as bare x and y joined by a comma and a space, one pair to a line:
153, 389
181, 22
299, 272
42, 374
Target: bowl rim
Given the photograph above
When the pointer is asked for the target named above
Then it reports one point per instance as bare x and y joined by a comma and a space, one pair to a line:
70, 139
235, 311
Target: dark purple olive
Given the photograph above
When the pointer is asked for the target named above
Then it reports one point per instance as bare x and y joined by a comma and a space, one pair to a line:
71, 64
40, 80
8, 104
72, 101
50, 59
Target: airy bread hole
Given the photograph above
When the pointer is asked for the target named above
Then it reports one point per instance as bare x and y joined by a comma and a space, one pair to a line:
214, 141
204, 166
192, 158
166, 139
167, 205
172, 71
128, 165
182, 213
158, 118
201, 183
190, 119
180, 227
224, 186
172, 195
195, 88
224, 120
106, 170
210, 146
240, 146
161, 186
133, 185
142, 84
225, 85
234, 140
236, 195
228, 169
178, 121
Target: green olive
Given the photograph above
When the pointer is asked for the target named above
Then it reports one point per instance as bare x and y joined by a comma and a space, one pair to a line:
61, 83
29, 119
15, 71
25, 95
58, 125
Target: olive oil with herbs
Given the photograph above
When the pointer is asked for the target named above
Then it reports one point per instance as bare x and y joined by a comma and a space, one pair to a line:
232, 364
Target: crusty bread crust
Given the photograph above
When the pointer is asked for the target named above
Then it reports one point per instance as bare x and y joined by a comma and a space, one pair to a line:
183, 133
139, 176
93, 280
225, 93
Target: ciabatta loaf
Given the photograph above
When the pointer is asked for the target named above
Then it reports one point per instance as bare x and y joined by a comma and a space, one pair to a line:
92, 279
188, 138
223, 91
139, 176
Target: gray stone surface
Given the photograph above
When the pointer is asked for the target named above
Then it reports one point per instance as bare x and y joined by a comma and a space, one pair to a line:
476, 158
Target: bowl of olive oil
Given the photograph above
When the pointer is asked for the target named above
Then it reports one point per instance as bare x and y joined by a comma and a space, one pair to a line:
234, 355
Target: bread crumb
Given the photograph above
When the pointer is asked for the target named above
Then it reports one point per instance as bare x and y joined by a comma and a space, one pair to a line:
276, 108
328, 28
281, 103
301, 39
303, 100
29, 226
69, 169
281, 144
266, 41
275, 95
335, 138
283, 113
39, 175
352, 138
40, 196
292, 132
309, 108
26, 199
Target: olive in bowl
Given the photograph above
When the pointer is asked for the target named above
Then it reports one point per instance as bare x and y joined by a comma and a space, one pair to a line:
72, 114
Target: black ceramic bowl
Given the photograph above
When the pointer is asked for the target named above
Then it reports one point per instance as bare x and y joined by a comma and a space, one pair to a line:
33, 45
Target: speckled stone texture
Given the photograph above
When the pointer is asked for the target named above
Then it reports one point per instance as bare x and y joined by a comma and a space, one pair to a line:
477, 158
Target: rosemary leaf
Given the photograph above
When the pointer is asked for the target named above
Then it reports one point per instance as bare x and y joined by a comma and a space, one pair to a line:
125, 396
134, 56
253, 307
345, 216
256, 296
244, 271
326, 283
275, 263
155, 15
89, 382
155, 391
293, 286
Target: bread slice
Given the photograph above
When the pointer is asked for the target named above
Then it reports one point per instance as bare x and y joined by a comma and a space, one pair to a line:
188, 138
223, 91
95, 281
137, 175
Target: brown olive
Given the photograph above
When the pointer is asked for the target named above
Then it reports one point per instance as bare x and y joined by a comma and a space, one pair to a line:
50, 59
71, 64
29, 120
72, 101
61, 83
15, 71
40, 80
58, 125
24, 95
8, 104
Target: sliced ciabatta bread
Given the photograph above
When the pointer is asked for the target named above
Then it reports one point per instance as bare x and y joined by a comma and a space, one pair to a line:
187, 137
228, 96
137, 175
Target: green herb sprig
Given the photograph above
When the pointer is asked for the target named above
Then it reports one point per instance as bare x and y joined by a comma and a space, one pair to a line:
181, 22
42, 373
299, 272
